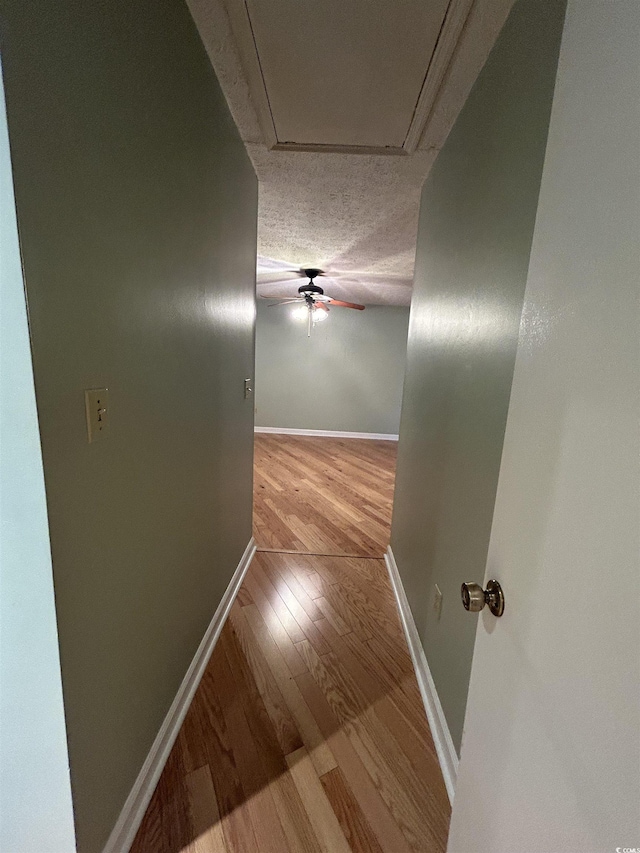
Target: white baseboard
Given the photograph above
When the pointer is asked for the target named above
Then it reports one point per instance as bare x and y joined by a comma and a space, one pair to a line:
127, 825
446, 751
378, 436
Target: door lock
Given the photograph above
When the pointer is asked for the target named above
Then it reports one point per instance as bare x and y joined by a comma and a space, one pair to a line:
474, 597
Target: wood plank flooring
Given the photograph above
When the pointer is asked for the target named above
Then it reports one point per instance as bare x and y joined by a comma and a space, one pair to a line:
307, 733
323, 495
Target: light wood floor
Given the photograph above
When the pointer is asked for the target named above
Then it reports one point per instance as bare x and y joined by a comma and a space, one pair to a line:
323, 495
307, 733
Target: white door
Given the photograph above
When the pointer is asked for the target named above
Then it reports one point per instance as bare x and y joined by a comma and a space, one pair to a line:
550, 757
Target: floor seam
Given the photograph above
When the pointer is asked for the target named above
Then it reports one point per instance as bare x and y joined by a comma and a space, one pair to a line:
317, 554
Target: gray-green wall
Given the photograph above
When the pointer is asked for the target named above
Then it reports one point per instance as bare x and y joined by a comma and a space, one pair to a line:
476, 225
347, 376
137, 214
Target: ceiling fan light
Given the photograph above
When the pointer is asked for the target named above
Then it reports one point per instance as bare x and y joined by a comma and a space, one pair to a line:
318, 315
300, 312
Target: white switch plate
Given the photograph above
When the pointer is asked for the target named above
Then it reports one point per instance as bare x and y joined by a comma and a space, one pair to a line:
437, 600
96, 401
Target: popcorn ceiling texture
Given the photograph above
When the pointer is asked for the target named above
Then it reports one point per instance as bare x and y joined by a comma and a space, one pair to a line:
346, 212
351, 214
213, 25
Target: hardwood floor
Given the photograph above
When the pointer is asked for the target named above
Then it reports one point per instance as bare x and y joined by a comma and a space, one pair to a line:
307, 733
323, 495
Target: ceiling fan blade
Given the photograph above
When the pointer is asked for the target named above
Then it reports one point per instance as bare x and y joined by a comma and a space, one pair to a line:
274, 265
334, 273
341, 304
282, 298
283, 302
284, 277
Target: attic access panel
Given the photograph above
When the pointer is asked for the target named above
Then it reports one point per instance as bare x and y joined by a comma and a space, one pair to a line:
345, 75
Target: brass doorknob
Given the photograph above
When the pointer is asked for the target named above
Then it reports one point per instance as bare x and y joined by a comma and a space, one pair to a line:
474, 597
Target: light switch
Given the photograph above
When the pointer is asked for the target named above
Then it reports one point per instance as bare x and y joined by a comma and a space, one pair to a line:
437, 601
96, 401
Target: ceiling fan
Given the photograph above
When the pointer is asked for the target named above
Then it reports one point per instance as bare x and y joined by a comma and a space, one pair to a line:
311, 298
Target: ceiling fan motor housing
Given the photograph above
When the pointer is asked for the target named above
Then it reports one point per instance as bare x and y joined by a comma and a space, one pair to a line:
310, 287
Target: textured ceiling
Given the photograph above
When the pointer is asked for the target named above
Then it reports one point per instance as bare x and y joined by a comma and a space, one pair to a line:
343, 212
353, 215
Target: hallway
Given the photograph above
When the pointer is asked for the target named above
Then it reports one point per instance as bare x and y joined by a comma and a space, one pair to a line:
307, 732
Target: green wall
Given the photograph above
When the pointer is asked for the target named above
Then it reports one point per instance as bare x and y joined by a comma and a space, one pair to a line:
347, 376
137, 215
476, 225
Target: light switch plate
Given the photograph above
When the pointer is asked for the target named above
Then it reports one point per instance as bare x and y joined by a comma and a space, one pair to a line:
96, 401
437, 601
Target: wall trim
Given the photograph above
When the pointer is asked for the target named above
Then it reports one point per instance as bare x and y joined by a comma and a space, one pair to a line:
446, 751
378, 436
445, 48
136, 804
248, 57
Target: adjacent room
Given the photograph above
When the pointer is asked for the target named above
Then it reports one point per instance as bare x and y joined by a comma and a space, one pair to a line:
328, 395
